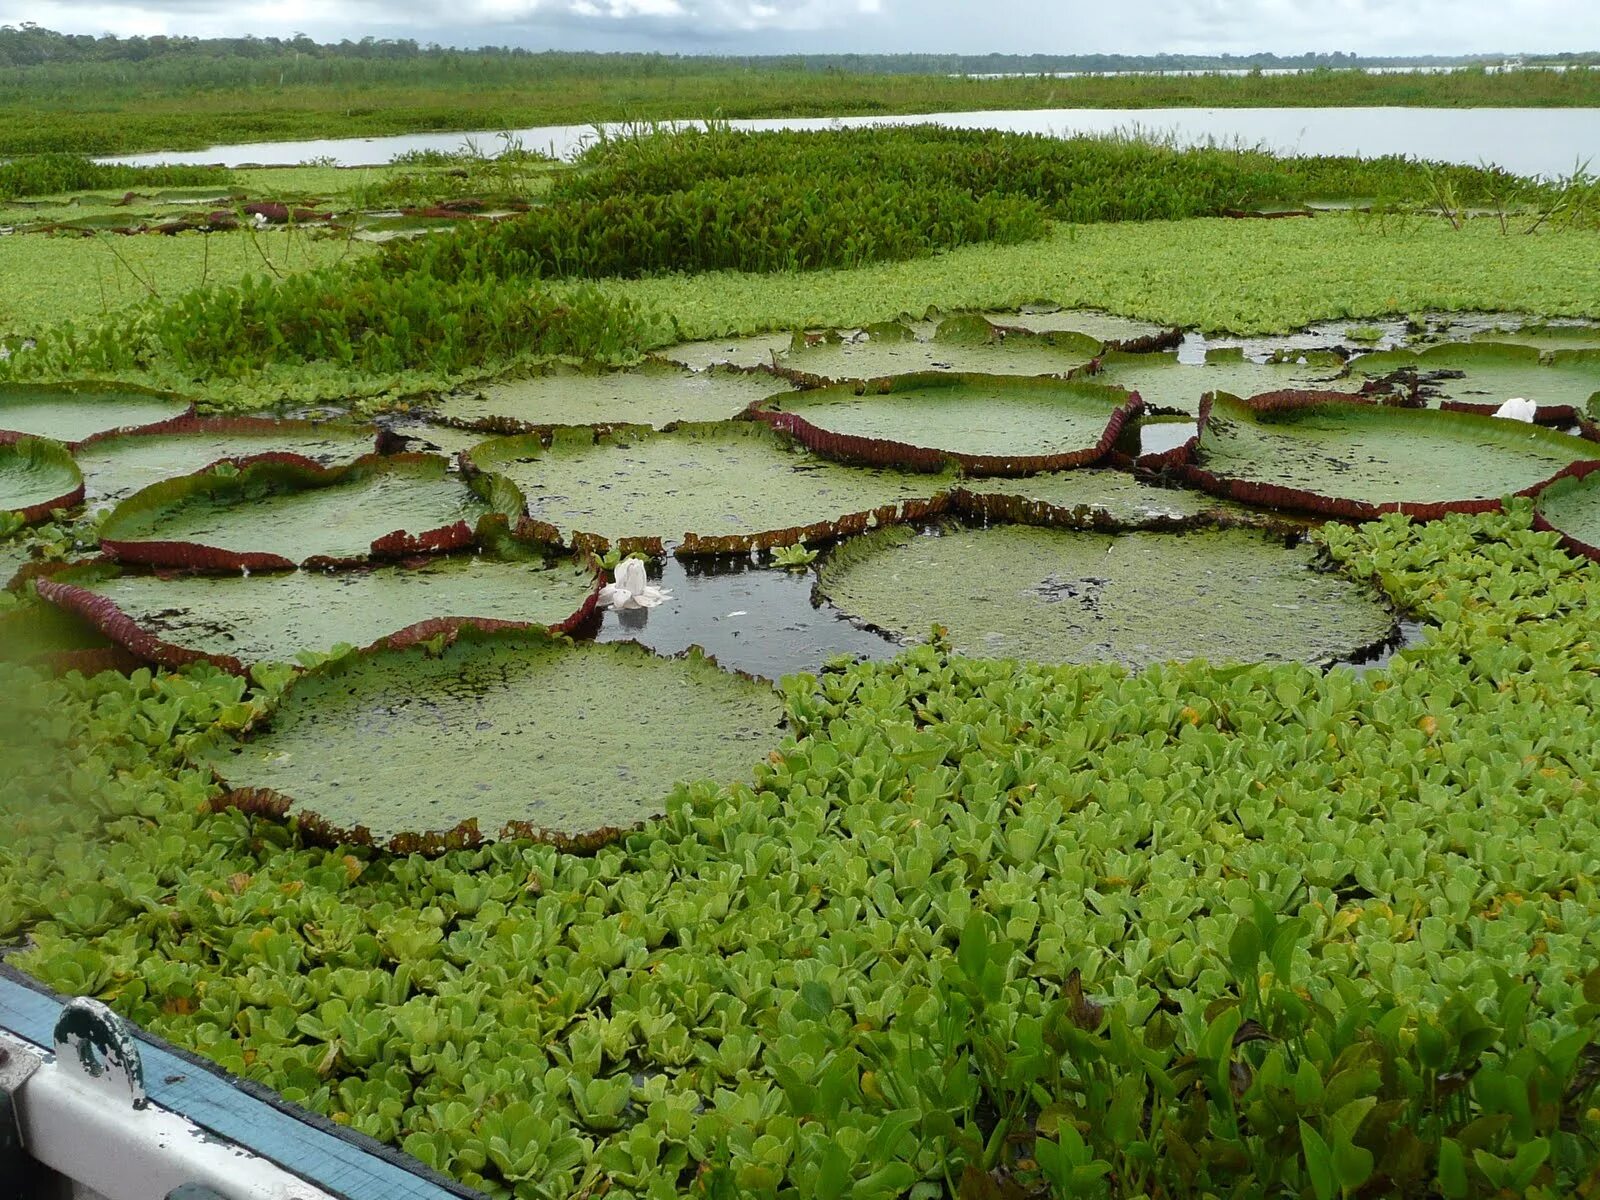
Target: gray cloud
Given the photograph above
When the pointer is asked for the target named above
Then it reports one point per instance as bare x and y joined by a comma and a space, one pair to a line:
868, 26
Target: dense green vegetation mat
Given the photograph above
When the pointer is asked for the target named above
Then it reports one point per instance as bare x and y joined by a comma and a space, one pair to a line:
1257, 931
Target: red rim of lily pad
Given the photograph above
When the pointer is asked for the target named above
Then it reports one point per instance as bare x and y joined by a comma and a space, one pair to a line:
90, 388
1560, 415
894, 453
1271, 495
57, 455
1569, 543
294, 472
103, 614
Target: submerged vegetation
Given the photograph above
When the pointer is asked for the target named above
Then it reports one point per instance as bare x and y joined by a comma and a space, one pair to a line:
369, 811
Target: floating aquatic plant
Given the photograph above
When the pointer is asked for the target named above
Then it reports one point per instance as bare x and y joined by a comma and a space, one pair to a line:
37, 477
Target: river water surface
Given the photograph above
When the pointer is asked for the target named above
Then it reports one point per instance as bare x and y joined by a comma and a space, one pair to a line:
1527, 141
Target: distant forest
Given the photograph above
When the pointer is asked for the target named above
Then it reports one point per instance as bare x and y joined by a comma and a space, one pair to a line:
29, 45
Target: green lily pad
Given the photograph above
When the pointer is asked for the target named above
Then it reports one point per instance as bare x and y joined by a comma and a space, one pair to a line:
1228, 595
1114, 332
116, 467
759, 350
36, 477
1494, 372
1094, 498
992, 424
1309, 451
1546, 337
655, 394
74, 413
1571, 507
708, 488
962, 343
237, 620
1163, 382
517, 733
281, 514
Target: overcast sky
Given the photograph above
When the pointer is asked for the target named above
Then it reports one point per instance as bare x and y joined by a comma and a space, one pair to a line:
870, 26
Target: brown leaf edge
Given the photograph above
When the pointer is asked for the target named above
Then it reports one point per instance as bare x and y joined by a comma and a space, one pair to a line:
297, 473
59, 456
1572, 545
103, 614
1269, 495
904, 455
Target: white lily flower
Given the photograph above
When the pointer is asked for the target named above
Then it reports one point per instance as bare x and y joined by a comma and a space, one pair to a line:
631, 588
259, 220
1517, 409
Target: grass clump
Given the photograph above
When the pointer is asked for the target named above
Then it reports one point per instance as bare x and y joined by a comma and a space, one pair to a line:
57, 173
978, 925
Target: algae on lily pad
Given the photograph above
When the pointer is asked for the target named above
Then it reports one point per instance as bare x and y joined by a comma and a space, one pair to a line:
990, 424
1012, 591
277, 515
1484, 375
1571, 507
237, 620
706, 488
960, 343
657, 393
1163, 382
1321, 454
578, 741
74, 413
36, 477
116, 467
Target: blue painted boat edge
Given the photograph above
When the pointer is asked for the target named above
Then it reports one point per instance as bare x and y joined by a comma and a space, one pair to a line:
339, 1160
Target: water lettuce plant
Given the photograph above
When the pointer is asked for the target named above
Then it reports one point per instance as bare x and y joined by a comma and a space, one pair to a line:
279, 512
1054, 929
699, 488
989, 425
497, 734
36, 477
1044, 595
235, 621
1320, 452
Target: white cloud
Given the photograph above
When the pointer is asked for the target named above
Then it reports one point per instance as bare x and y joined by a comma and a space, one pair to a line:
868, 26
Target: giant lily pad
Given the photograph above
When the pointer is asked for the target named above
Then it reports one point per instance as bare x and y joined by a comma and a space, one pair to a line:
962, 343
280, 513
76, 413
1546, 336
707, 488
1571, 507
1114, 332
1164, 383
990, 424
1094, 498
1322, 453
37, 476
116, 467
655, 394
759, 350
236, 620
1014, 591
1479, 377
515, 733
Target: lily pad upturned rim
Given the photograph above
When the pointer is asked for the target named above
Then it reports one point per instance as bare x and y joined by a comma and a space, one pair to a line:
898, 453
294, 472
91, 387
1273, 495
104, 614
1571, 482
56, 455
533, 529
315, 830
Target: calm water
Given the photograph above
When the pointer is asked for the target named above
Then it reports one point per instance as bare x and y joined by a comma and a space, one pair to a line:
1528, 141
